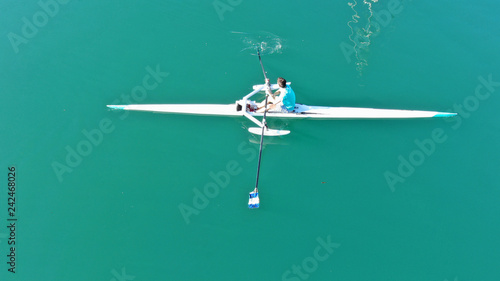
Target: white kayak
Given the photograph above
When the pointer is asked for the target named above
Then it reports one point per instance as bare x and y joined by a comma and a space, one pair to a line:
244, 107
301, 111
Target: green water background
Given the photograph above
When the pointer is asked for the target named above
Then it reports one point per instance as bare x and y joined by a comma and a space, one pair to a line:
118, 210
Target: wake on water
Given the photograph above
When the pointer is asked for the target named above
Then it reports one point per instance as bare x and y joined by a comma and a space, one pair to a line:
267, 42
362, 28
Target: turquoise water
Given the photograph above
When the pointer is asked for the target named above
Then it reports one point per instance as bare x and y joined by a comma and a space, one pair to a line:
102, 195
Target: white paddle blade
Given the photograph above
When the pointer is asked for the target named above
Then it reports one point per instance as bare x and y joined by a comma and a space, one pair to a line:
268, 132
253, 200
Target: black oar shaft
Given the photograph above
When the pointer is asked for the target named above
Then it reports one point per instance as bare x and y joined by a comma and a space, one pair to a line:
262, 65
264, 125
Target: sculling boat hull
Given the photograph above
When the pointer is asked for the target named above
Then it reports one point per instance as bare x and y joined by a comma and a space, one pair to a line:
301, 111
200, 109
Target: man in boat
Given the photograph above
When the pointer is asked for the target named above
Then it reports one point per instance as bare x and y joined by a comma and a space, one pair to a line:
283, 100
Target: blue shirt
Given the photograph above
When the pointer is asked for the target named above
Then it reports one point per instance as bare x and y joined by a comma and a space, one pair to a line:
288, 98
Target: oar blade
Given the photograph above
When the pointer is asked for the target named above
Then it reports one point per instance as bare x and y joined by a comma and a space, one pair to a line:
253, 200
268, 132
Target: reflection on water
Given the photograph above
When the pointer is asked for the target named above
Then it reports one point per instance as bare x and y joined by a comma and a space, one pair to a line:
268, 140
268, 42
362, 28
277, 124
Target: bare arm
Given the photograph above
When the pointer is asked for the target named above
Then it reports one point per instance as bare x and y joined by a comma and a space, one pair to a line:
276, 97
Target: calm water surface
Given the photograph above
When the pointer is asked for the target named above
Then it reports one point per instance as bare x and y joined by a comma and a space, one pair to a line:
103, 195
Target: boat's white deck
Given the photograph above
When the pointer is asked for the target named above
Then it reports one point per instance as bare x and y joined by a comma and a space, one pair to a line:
302, 111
